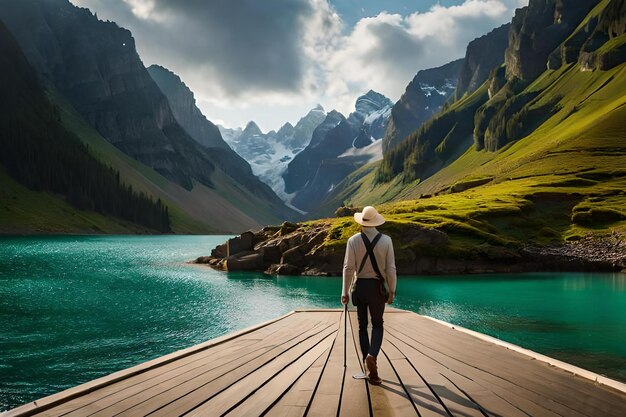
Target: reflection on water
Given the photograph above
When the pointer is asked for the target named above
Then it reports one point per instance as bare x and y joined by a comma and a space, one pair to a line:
582, 282
76, 308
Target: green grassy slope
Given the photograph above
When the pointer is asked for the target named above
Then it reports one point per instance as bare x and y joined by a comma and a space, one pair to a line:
201, 210
565, 180
26, 211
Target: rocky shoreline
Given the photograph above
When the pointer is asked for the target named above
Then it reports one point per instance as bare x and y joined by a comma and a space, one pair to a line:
311, 249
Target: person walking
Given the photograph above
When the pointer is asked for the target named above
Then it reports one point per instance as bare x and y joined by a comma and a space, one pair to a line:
369, 278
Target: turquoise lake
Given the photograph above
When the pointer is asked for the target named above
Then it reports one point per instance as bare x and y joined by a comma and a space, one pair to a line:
74, 308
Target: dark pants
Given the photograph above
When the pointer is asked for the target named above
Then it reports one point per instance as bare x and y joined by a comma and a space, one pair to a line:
369, 296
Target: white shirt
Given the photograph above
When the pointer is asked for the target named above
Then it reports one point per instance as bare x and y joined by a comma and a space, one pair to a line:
355, 251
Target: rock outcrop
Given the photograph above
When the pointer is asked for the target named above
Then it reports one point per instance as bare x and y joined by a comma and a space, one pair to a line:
481, 57
289, 249
313, 249
537, 30
423, 98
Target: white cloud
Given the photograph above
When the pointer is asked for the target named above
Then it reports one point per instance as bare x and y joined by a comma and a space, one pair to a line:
384, 52
271, 61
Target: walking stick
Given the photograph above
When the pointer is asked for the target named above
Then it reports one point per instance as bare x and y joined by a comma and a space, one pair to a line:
345, 332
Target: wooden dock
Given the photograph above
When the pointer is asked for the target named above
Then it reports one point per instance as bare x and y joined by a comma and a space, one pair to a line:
293, 366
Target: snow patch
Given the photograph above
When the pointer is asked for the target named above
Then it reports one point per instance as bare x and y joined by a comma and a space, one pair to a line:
373, 151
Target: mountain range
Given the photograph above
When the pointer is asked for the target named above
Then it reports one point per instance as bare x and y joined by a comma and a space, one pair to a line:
338, 146
269, 153
519, 142
92, 73
522, 169
533, 156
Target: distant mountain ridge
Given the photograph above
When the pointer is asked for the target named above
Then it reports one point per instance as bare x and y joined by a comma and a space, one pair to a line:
332, 152
269, 153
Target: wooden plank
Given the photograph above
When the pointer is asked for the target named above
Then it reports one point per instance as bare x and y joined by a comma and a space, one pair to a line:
45, 403
554, 398
454, 400
262, 399
556, 384
494, 399
487, 396
128, 393
196, 404
296, 399
147, 379
325, 401
389, 398
355, 397
188, 394
424, 400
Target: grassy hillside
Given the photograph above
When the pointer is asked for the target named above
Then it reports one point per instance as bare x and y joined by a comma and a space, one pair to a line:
201, 210
27, 211
40, 154
565, 180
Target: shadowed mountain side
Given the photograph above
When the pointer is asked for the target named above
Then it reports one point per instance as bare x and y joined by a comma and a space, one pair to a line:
111, 89
424, 97
482, 55
186, 112
329, 140
53, 182
187, 211
208, 135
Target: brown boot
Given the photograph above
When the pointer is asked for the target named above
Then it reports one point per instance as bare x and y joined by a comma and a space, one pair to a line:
373, 377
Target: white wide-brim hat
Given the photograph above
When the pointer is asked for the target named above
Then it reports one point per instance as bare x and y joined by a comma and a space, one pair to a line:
369, 217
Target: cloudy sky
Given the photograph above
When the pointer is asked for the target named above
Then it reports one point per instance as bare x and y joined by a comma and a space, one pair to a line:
272, 60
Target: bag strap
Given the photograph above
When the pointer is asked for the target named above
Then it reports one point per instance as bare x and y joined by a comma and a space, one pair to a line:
369, 247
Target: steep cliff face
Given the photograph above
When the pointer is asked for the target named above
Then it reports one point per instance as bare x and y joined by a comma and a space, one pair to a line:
95, 66
599, 43
481, 57
547, 35
183, 105
423, 98
537, 30
606, 47
49, 181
